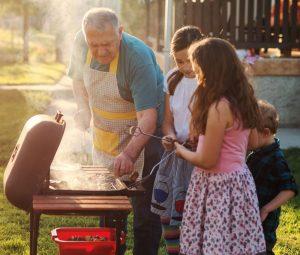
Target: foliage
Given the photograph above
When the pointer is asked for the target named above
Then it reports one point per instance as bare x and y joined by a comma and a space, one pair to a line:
17, 7
133, 15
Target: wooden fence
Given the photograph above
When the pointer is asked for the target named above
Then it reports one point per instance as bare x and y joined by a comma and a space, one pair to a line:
245, 23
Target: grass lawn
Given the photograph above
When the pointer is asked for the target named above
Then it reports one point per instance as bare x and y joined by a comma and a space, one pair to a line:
36, 73
16, 107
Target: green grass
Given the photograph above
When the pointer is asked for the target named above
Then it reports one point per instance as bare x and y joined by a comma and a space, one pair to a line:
38, 73
16, 107
289, 228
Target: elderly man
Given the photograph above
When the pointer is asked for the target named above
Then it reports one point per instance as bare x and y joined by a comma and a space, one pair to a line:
117, 83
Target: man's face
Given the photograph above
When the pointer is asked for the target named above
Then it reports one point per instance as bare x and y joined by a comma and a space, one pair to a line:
104, 44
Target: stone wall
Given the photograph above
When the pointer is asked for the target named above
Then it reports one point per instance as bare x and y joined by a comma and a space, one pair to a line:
276, 80
284, 93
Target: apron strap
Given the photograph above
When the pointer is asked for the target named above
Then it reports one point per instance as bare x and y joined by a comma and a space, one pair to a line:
113, 66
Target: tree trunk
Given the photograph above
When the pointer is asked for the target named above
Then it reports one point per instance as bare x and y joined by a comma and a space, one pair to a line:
12, 36
58, 45
147, 21
160, 25
25, 34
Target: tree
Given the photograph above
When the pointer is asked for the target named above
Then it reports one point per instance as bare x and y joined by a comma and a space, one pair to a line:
24, 8
135, 24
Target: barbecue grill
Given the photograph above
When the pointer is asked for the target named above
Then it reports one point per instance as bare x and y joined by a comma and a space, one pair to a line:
28, 171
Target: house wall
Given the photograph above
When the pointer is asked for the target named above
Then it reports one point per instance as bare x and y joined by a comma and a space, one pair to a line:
284, 93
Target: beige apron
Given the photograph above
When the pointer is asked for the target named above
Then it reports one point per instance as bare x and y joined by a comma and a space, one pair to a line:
111, 115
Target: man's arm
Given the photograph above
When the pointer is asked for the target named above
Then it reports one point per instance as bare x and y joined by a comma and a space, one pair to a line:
83, 115
75, 72
125, 160
144, 80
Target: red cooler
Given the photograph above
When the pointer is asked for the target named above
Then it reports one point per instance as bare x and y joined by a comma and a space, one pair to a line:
85, 241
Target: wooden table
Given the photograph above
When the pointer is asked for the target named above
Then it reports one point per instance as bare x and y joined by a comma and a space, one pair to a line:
106, 206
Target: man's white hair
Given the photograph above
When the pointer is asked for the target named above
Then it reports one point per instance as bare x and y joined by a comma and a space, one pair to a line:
99, 18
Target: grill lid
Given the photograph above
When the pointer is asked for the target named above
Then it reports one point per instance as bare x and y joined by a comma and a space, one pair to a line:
29, 164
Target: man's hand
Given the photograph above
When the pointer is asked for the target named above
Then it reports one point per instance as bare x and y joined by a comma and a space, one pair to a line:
82, 119
123, 165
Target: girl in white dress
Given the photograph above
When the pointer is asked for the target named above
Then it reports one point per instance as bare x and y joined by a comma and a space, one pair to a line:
174, 174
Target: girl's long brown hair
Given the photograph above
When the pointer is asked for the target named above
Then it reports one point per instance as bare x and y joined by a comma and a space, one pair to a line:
222, 75
182, 39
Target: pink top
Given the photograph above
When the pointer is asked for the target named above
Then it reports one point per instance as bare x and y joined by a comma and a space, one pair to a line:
233, 151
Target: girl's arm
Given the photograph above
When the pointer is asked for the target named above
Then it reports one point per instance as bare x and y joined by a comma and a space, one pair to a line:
168, 126
278, 201
168, 123
219, 118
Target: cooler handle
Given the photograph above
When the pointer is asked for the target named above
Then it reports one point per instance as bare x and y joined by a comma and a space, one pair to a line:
53, 233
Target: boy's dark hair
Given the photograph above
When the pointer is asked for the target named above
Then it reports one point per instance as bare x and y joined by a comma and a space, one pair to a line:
182, 39
269, 116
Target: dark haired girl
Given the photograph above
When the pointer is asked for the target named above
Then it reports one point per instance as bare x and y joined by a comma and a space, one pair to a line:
174, 174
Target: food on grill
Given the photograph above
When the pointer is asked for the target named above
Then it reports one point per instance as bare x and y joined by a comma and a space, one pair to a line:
86, 178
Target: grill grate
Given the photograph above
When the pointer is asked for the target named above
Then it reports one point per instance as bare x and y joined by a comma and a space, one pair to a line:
88, 180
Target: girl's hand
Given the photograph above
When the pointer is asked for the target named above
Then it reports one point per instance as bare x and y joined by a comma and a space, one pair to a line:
179, 149
191, 144
168, 142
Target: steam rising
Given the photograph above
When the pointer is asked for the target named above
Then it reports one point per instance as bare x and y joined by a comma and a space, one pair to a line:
63, 18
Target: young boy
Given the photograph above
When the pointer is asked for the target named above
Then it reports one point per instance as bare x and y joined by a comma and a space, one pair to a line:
274, 182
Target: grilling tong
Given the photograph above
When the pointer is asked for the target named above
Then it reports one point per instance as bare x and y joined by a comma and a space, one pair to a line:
136, 131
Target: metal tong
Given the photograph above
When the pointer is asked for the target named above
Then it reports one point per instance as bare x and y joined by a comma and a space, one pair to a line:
136, 131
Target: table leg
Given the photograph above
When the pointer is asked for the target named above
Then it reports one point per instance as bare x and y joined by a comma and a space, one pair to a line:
34, 232
120, 233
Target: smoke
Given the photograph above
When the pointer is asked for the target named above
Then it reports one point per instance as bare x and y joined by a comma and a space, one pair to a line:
63, 19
